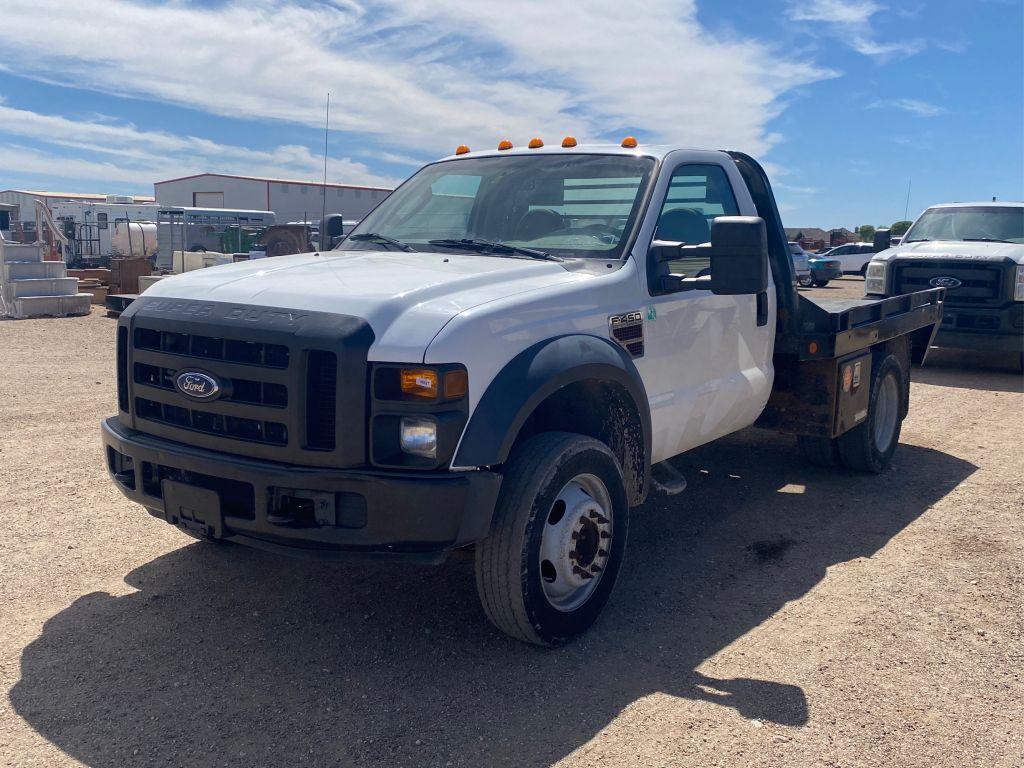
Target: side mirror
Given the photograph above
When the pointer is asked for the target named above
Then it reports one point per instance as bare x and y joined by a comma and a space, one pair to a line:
738, 257
882, 241
332, 225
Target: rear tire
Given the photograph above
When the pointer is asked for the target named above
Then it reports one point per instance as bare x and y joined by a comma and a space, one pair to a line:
805, 282
562, 510
820, 283
869, 447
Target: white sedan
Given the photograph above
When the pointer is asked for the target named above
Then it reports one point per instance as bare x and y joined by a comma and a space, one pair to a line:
800, 265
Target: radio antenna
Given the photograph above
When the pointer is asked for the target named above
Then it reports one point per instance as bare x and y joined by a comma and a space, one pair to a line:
323, 210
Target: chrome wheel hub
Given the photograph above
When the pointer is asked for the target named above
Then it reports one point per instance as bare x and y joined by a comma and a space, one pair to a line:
576, 542
886, 413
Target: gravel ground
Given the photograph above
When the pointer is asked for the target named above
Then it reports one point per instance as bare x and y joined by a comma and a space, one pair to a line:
775, 614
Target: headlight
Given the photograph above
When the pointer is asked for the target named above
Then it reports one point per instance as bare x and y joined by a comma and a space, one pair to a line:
417, 414
1018, 287
874, 280
418, 436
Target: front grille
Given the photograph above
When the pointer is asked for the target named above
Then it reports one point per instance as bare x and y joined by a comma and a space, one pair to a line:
122, 368
282, 375
213, 348
235, 427
321, 394
241, 391
980, 283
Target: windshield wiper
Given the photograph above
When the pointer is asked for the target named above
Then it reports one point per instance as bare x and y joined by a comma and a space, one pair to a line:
488, 246
377, 237
983, 240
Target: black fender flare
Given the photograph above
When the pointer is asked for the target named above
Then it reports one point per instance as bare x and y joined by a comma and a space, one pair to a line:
530, 378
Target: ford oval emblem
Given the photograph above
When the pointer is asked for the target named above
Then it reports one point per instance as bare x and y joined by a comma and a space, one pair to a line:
944, 281
197, 385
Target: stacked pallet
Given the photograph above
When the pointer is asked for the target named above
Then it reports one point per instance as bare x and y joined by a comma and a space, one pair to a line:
125, 273
32, 287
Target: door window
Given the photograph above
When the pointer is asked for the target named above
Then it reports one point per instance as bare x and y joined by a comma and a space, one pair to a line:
697, 194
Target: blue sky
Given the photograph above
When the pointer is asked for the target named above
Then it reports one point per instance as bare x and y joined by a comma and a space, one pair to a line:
846, 100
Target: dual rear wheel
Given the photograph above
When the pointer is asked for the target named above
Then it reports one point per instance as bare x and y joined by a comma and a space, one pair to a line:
869, 446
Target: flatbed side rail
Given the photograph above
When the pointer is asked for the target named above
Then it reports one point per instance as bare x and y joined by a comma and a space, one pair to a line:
827, 334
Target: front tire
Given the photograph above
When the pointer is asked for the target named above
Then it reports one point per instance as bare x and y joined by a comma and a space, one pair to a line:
805, 281
557, 539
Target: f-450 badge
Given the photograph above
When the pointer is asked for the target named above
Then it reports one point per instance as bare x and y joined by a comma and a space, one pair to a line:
628, 330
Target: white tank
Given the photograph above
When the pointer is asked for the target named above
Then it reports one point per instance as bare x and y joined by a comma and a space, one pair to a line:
133, 239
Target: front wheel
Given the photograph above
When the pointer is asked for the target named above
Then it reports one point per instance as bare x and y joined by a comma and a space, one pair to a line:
805, 281
557, 539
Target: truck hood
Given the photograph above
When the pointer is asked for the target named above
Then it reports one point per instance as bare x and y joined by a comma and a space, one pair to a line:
955, 249
405, 297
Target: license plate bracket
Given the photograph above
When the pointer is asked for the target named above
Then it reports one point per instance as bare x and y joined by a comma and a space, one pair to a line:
195, 509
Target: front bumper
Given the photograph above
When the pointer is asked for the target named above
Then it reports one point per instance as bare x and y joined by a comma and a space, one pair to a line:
312, 511
989, 329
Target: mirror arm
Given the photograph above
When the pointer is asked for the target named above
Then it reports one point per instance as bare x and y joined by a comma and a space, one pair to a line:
677, 283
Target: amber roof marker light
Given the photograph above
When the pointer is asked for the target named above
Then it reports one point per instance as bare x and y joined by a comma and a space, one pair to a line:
535, 143
629, 142
461, 149
569, 141
504, 144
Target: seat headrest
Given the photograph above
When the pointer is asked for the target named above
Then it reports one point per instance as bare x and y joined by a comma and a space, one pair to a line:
683, 225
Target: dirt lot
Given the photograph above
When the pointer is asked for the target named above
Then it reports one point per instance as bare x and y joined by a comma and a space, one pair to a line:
774, 614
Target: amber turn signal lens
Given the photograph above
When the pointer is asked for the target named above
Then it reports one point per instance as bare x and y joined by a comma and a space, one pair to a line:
629, 142
419, 382
505, 144
535, 143
569, 141
456, 384
461, 149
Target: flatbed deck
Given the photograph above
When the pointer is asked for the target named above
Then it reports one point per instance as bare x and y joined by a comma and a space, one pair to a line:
838, 327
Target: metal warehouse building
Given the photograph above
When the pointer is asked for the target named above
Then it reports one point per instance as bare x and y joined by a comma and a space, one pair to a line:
290, 200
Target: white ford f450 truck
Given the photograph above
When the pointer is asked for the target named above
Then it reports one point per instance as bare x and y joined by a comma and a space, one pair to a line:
976, 252
495, 358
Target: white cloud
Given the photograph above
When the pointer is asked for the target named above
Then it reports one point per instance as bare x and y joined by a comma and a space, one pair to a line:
856, 12
851, 21
120, 152
796, 189
417, 76
913, 106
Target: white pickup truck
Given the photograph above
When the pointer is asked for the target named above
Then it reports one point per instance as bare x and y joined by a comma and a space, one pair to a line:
976, 252
496, 359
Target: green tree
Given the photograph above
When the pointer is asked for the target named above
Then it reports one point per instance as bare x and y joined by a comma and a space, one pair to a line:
866, 232
899, 229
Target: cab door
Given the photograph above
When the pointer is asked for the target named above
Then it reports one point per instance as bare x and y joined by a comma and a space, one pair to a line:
708, 362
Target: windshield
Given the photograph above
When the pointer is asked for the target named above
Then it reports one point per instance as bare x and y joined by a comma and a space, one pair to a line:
564, 205
974, 222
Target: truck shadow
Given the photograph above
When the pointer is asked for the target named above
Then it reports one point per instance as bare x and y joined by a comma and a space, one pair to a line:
226, 656
971, 369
